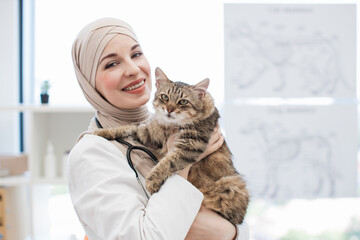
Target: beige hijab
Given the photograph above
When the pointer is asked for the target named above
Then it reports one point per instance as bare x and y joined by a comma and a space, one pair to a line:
86, 51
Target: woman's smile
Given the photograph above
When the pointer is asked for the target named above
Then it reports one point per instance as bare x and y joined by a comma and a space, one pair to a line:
134, 85
123, 77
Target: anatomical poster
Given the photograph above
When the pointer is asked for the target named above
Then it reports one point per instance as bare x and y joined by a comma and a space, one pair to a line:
290, 50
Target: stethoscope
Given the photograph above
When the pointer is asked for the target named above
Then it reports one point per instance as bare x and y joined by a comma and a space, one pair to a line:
128, 152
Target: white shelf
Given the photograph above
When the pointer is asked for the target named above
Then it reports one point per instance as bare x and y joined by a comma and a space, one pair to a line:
14, 181
45, 108
59, 124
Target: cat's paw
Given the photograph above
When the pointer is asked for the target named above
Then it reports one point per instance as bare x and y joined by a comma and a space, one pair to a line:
100, 133
105, 134
153, 183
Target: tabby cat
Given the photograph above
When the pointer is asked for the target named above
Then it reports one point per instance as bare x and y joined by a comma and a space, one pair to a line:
191, 111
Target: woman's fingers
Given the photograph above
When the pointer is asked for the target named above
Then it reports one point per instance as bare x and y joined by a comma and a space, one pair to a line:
215, 142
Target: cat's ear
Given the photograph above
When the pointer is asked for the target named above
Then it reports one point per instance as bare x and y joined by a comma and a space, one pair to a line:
201, 87
160, 77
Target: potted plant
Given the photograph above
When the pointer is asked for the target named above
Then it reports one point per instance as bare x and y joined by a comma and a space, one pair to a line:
45, 86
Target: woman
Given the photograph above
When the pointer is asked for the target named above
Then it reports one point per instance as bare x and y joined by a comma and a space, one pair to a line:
115, 77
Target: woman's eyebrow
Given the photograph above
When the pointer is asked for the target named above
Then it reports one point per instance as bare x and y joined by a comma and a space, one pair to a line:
108, 56
135, 46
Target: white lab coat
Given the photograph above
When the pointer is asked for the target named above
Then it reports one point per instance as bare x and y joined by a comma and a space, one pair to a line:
111, 205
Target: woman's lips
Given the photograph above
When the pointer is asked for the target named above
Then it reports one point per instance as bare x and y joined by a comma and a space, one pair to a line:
135, 87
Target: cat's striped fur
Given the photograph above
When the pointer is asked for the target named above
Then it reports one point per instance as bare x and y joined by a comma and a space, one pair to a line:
191, 112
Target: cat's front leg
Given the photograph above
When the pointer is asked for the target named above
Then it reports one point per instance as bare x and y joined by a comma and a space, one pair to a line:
167, 166
118, 132
157, 177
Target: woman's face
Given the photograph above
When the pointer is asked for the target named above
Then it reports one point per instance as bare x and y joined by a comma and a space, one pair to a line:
123, 76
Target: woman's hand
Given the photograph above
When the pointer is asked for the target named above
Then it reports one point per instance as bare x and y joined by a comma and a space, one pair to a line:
215, 142
210, 226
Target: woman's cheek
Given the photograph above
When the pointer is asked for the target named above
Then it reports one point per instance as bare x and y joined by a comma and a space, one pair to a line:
109, 82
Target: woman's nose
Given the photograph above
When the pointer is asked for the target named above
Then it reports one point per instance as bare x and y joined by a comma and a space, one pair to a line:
131, 68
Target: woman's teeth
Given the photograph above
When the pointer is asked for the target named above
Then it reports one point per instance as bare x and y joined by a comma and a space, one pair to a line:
135, 86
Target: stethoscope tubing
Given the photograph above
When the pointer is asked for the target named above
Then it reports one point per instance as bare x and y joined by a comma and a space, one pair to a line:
128, 156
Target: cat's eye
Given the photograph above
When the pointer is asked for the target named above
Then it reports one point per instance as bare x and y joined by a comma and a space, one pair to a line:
183, 102
164, 97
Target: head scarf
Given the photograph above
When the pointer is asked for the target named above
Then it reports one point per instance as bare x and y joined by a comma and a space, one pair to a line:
86, 51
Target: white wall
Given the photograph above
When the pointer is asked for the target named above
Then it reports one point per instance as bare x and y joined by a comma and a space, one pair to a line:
181, 37
9, 76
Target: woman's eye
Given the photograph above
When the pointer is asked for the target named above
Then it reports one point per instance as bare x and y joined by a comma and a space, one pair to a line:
183, 102
137, 54
164, 97
110, 64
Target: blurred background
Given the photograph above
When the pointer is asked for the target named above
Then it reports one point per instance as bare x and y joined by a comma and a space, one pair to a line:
283, 75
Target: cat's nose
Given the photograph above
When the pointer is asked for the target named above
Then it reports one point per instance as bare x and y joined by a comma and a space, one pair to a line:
170, 109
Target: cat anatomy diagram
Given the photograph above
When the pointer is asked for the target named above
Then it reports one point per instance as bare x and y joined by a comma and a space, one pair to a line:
290, 98
305, 156
295, 151
313, 60
288, 53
